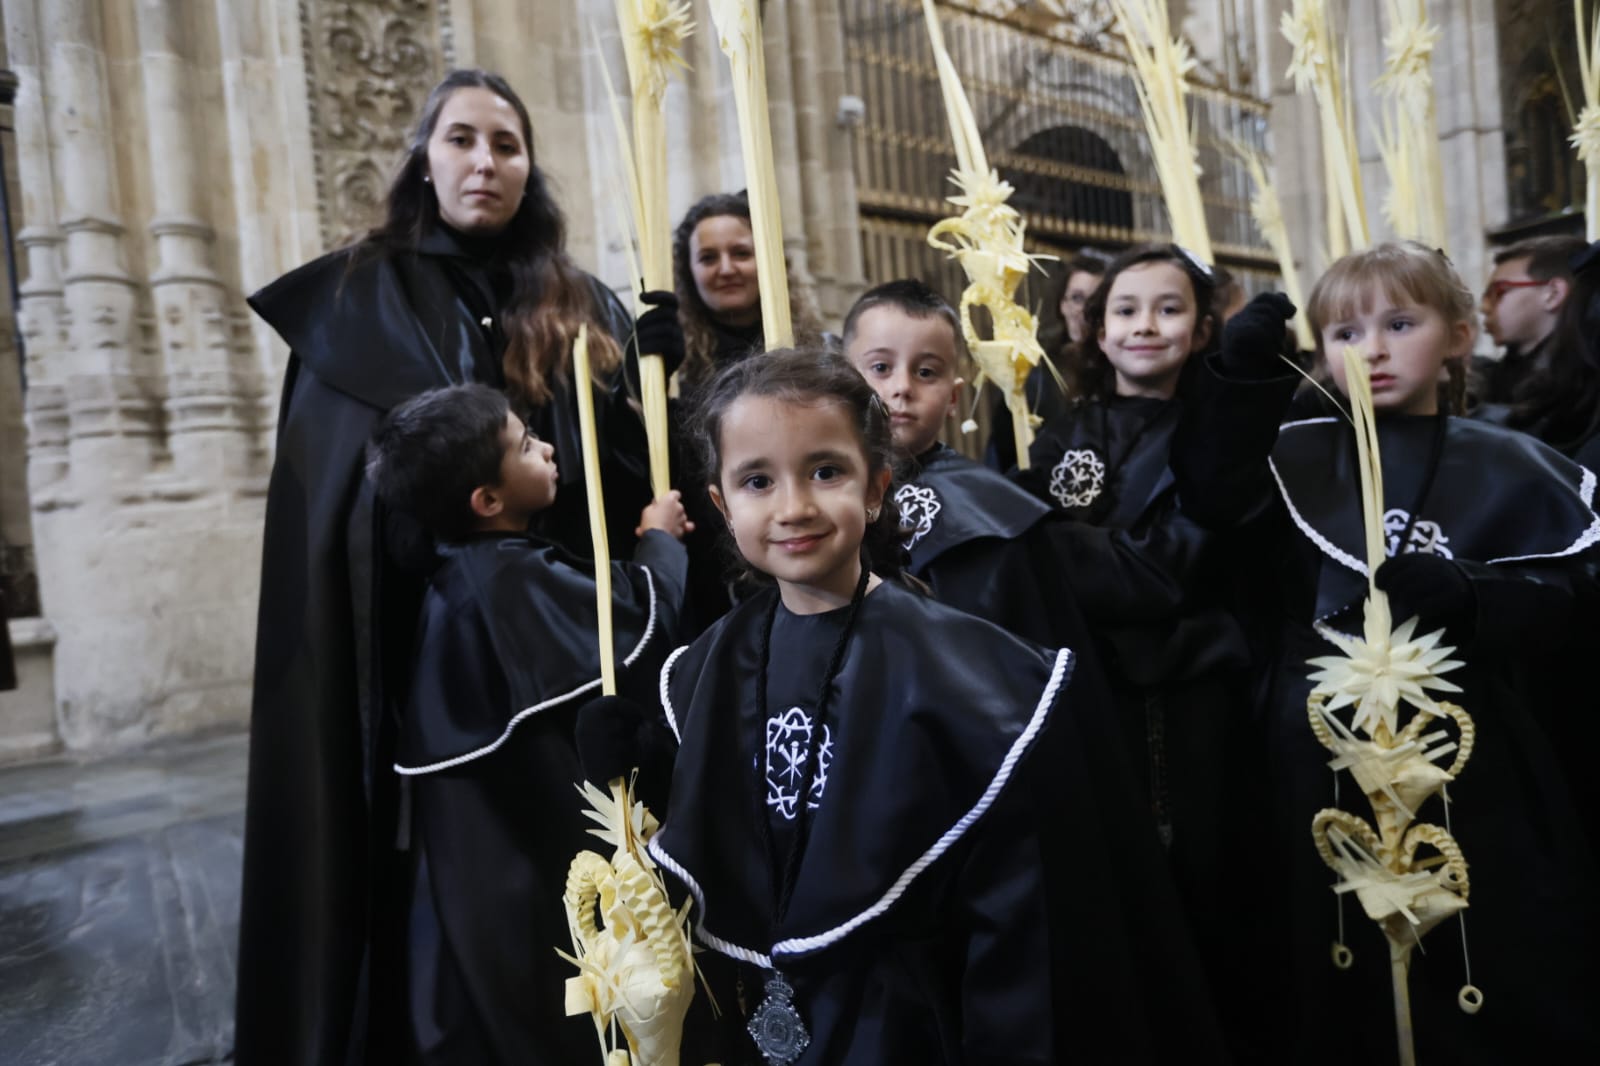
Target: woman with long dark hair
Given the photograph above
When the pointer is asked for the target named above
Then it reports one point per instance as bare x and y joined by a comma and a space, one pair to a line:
466, 279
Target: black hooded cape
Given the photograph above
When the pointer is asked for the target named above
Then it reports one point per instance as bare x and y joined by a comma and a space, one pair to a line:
505, 656
323, 887
980, 885
1146, 579
1517, 518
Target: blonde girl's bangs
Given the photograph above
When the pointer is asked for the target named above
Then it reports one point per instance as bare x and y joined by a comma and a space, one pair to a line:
1402, 272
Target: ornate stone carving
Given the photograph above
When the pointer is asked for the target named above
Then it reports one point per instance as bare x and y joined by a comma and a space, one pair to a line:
369, 66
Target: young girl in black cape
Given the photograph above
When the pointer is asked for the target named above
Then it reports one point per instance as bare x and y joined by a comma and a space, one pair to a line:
859, 805
1147, 580
1491, 536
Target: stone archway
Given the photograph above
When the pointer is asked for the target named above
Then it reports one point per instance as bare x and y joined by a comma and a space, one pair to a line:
1067, 197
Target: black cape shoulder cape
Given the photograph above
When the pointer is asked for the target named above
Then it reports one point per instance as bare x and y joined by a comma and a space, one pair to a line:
523, 611
1104, 462
981, 885
506, 654
1515, 517
971, 717
951, 501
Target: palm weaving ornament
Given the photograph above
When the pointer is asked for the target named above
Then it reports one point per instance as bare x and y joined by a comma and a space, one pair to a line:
1161, 64
1409, 139
1320, 67
1586, 128
738, 25
987, 239
653, 35
1378, 676
636, 970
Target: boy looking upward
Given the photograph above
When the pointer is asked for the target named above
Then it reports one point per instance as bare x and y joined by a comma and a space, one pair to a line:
505, 653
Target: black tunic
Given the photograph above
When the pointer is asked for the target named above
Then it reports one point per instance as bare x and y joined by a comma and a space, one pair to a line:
979, 885
1146, 579
323, 889
1517, 518
505, 655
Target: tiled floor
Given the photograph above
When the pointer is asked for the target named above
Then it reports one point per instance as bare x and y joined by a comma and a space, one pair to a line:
119, 900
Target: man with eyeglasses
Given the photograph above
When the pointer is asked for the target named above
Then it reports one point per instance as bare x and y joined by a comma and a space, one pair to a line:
1521, 304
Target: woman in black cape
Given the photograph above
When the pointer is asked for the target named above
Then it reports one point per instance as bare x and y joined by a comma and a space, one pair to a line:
465, 280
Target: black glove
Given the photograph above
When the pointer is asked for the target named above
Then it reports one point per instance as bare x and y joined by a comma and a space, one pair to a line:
1253, 339
617, 736
658, 331
1434, 589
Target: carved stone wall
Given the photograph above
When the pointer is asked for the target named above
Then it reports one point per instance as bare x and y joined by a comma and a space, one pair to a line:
369, 67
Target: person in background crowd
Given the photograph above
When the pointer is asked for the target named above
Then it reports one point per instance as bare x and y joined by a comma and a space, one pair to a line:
1521, 304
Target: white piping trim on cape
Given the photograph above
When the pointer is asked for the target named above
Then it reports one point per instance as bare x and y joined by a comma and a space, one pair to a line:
1327, 547
1059, 674
478, 753
1587, 539
733, 951
666, 697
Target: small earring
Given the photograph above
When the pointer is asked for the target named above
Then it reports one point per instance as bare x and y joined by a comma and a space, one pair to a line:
872, 514
427, 179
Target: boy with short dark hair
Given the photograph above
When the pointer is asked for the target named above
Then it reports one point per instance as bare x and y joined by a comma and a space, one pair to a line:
975, 538
506, 652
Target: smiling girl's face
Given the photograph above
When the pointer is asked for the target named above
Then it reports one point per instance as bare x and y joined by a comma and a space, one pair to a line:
1151, 325
1405, 345
796, 489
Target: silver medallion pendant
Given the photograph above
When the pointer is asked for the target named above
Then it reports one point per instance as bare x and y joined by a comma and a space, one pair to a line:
776, 1027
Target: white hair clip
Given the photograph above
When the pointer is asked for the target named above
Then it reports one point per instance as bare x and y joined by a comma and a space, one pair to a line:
1195, 261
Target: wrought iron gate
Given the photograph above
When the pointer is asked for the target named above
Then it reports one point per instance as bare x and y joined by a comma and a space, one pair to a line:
1060, 119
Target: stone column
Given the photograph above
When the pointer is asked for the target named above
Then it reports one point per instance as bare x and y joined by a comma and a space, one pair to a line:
1466, 85
43, 311
209, 414
827, 166
112, 417
786, 160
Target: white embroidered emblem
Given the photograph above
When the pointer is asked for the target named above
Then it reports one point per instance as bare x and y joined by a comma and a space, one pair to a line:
1079, 478
919, 506
788, 740
1425, 536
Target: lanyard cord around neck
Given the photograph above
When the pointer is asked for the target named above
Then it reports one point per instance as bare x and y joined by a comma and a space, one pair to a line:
1441, 425
783, 888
